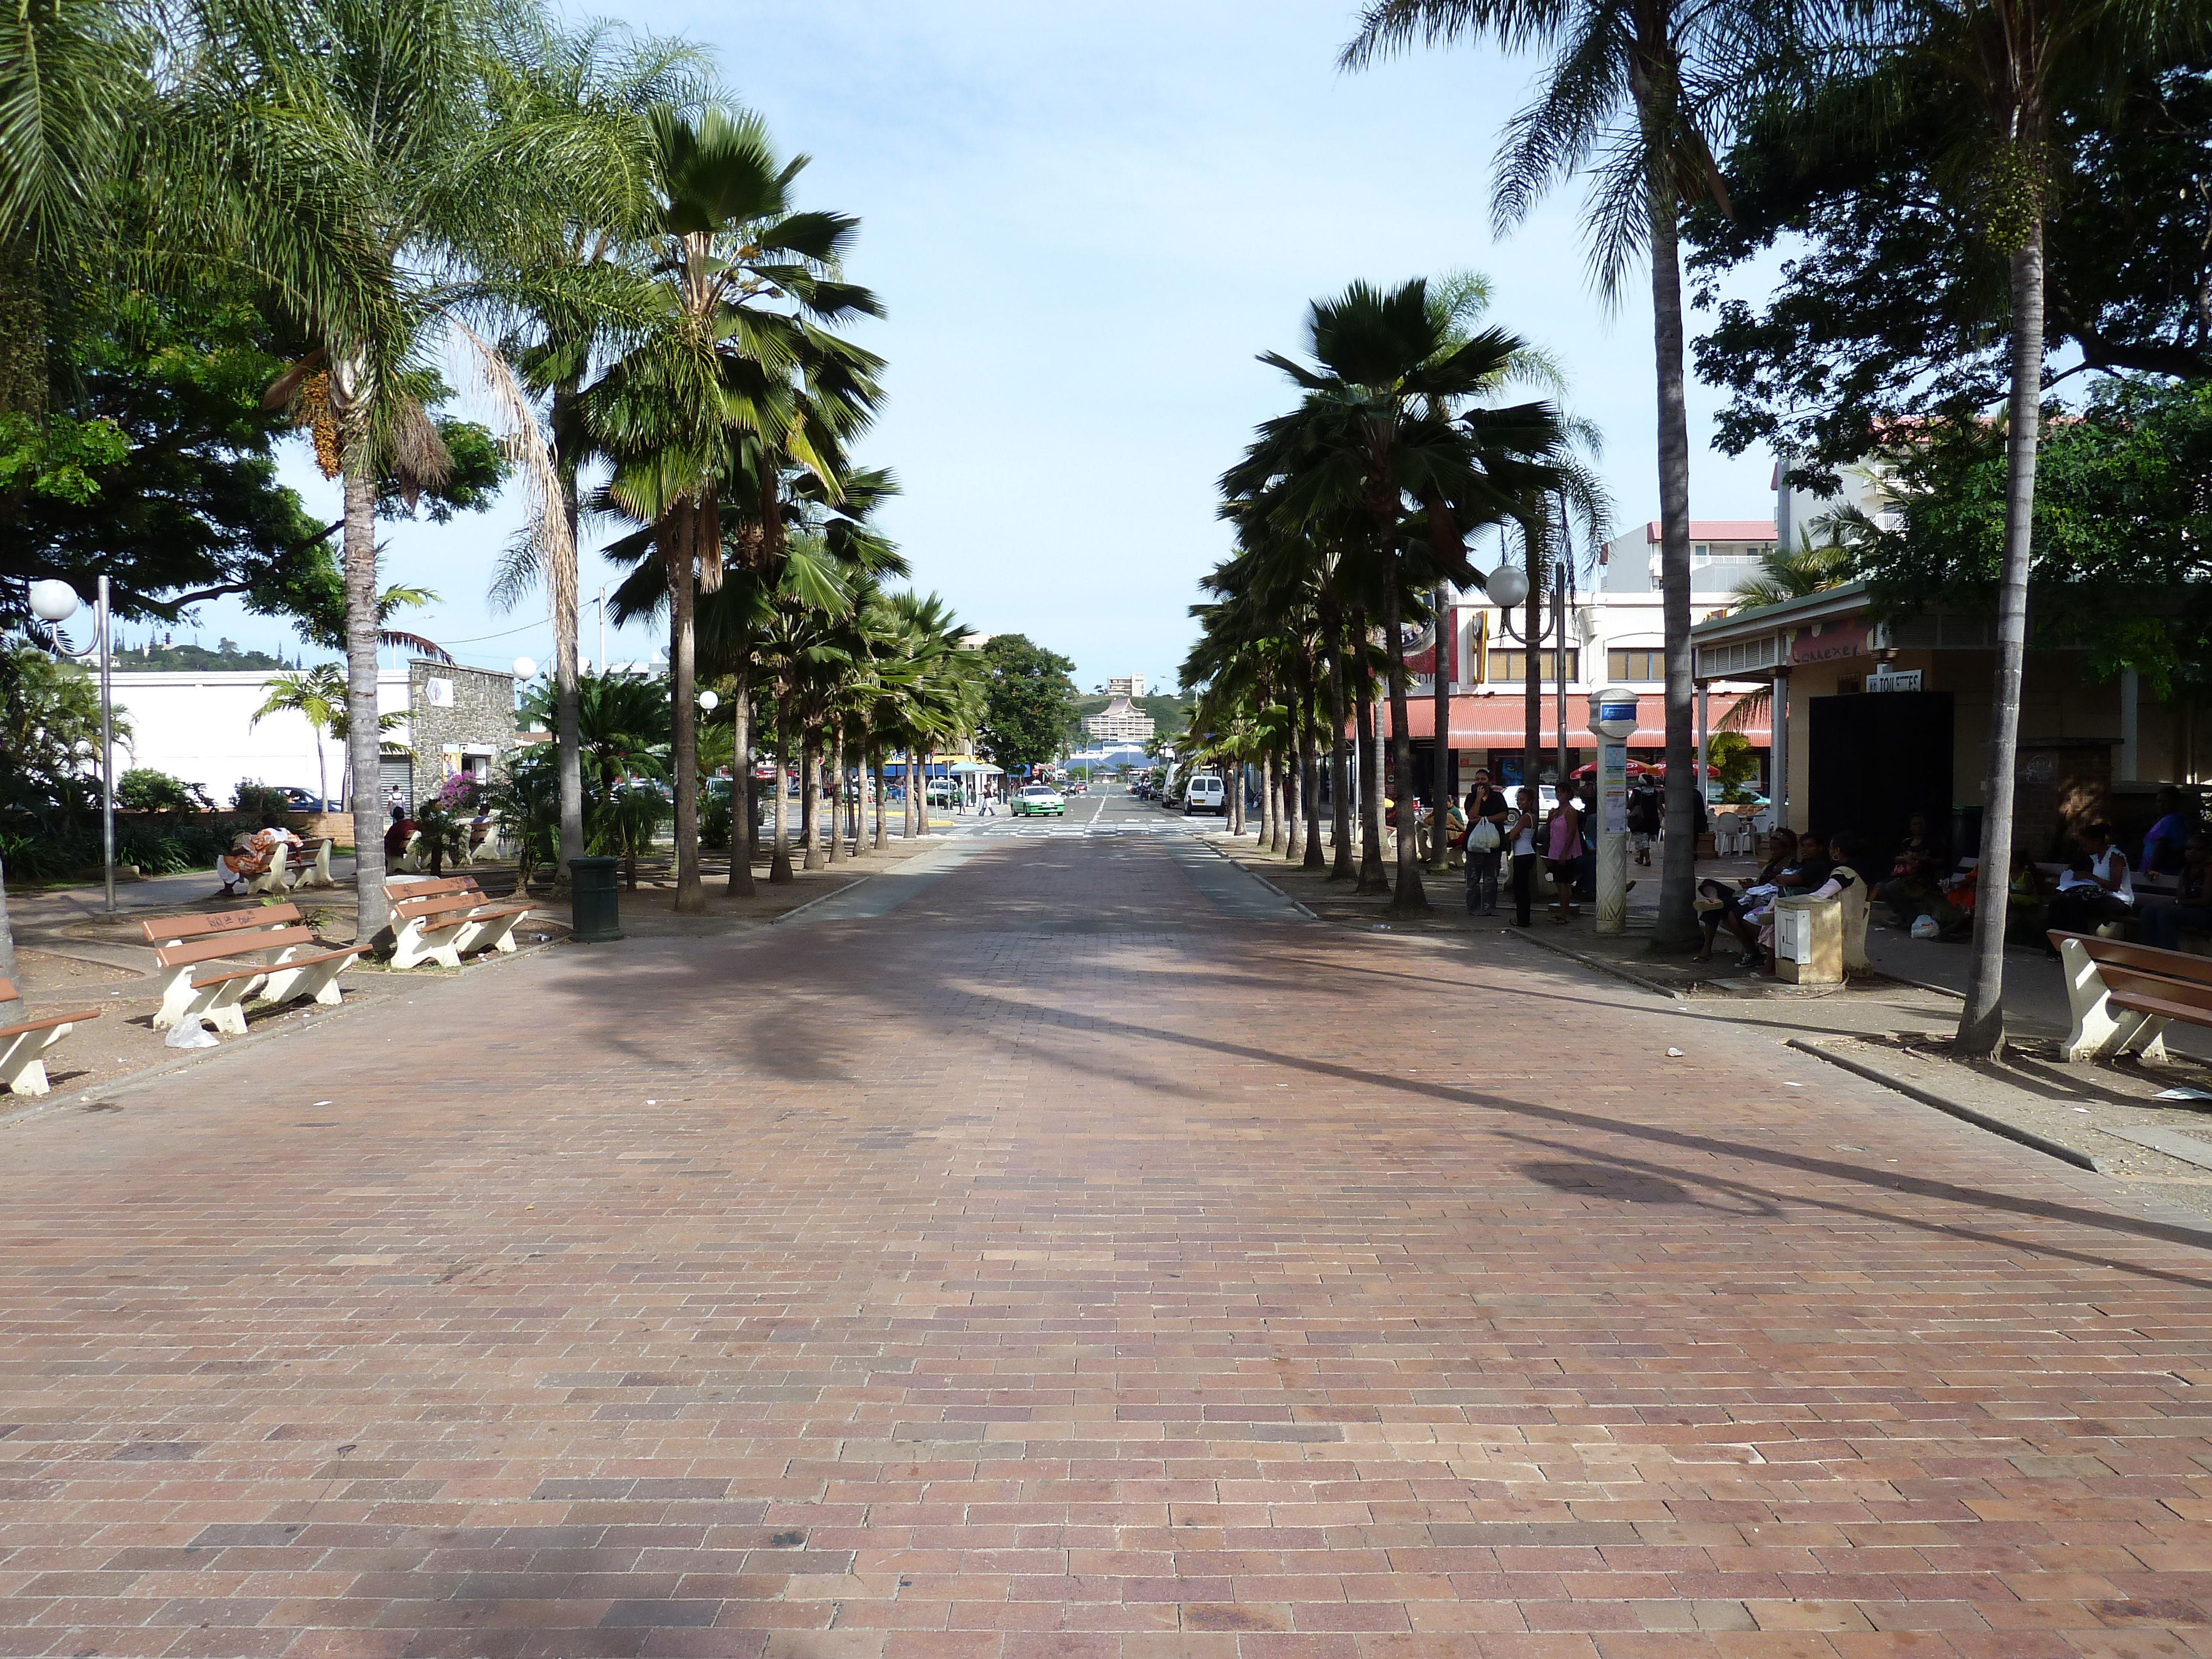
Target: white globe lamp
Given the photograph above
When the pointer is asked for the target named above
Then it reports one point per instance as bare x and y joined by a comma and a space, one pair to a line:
52, 601
1507, 585
709, 702
524, 669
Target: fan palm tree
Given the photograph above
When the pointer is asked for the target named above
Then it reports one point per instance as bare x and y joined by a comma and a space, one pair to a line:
746, 282
1386, 437
318, 695
1636, 92
602, 80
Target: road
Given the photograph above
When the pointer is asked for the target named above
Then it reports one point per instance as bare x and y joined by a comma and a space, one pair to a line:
1076, 1251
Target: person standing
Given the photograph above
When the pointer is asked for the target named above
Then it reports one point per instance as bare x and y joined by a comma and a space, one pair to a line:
1487, 813
1563, 852
1520, 838
1643, 817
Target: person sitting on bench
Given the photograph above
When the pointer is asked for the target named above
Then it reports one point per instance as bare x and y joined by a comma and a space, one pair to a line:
397, 835
2163, 925
1718, 902
254, 858
2097, 888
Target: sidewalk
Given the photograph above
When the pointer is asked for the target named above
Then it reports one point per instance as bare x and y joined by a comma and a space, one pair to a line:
1896, 1025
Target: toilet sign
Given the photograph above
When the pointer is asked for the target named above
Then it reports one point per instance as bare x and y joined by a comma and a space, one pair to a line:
1894, 679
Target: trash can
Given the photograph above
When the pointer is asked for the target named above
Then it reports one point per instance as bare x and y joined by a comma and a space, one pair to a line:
1809, 940
595, 902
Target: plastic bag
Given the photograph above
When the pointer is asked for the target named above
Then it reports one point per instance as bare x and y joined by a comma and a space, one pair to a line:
189, 1033
1926, 928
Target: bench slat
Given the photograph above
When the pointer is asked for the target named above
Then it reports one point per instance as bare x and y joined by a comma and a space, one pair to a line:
2138, 1004
220, 921
2124, 981
44, 1021
231, 945
2144, 959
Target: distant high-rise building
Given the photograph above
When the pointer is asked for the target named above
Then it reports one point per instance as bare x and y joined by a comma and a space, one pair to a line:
1120, 718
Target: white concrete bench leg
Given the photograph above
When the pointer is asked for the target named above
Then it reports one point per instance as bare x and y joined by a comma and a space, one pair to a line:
318, 980
319, 873
177, 997
225, 1007
22, 1059
2097, 1031
496, 934
414, 944
270, 880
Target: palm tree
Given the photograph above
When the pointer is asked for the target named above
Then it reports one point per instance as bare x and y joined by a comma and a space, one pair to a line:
1635, 92
350, 169
746, 281
319, 696
1383, 437
597, 79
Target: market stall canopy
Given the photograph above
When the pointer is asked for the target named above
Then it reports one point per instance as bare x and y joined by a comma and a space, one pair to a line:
980, 767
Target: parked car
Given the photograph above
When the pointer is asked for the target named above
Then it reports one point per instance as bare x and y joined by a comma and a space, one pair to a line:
299, 801
1039, 801
1205, 794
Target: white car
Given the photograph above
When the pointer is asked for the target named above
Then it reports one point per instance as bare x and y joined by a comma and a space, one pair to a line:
1038, 800
1205, 794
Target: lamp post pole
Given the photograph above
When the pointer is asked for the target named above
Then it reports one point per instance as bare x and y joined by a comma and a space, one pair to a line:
54, 603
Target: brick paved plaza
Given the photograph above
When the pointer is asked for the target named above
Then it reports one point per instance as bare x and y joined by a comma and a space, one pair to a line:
1057, 1265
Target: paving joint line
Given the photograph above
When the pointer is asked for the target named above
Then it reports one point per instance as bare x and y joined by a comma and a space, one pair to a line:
820, 898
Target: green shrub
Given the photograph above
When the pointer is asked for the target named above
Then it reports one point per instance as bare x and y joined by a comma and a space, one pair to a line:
257, 799
142, 789
715, 822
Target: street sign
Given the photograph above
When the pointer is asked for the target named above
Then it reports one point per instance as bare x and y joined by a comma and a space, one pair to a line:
1894, 679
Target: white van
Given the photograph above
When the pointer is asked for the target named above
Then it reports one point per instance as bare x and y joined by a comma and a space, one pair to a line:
1205, 794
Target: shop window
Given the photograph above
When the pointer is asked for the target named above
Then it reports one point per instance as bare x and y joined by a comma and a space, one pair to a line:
1513, 665
1639, 664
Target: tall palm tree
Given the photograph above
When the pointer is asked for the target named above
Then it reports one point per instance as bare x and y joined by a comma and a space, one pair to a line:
1386, 434
605, 83
747, 283
349, 168
1636, 92
318, 695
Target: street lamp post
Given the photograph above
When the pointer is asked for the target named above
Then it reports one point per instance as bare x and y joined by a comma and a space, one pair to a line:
54, 603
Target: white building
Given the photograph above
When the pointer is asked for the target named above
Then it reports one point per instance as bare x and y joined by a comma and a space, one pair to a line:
1614, 636
199, 728
1120, 719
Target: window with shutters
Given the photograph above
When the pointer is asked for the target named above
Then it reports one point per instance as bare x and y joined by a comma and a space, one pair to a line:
1639, 663
1513, 665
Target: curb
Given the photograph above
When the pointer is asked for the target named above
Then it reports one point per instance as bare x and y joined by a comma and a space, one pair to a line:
1598, 963
820, 898
1980, 1119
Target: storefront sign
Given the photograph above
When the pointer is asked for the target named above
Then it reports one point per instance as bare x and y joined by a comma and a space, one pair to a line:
1836, 641
1894, 679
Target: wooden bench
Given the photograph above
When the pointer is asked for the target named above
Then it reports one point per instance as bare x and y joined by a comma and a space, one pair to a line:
23, 1043
2123, 995
440, 919
286, 870
184, 944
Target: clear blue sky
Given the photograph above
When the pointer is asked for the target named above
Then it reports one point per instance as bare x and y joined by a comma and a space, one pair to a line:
1085, 221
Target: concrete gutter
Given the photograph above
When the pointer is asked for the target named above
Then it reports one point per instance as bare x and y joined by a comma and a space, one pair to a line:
1959, 1109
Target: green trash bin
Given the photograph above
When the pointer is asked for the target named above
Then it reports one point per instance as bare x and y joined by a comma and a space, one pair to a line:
595, 902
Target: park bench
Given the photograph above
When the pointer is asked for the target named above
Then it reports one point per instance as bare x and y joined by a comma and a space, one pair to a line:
2124, 995
23, 1043
440, 919
185, 945
286, 870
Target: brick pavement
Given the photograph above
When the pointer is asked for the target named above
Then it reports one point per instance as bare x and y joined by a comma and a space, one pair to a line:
1053, 1268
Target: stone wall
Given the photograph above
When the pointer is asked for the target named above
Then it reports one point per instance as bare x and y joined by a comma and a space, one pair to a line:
457, 719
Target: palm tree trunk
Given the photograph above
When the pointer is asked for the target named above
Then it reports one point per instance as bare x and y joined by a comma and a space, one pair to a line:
684, 714
1372, 879
1532, 667
779, 868
1294, 781
1440, 691
1677, 929
1339, 762
1409, 896
568, 715
743, 835
1981, 1024
810, 798
836, 849
361, 619
883, 829
1268, 821
1310, 797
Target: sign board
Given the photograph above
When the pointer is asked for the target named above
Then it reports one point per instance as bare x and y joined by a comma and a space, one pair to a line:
438, 693
1895, 679
1613, 785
